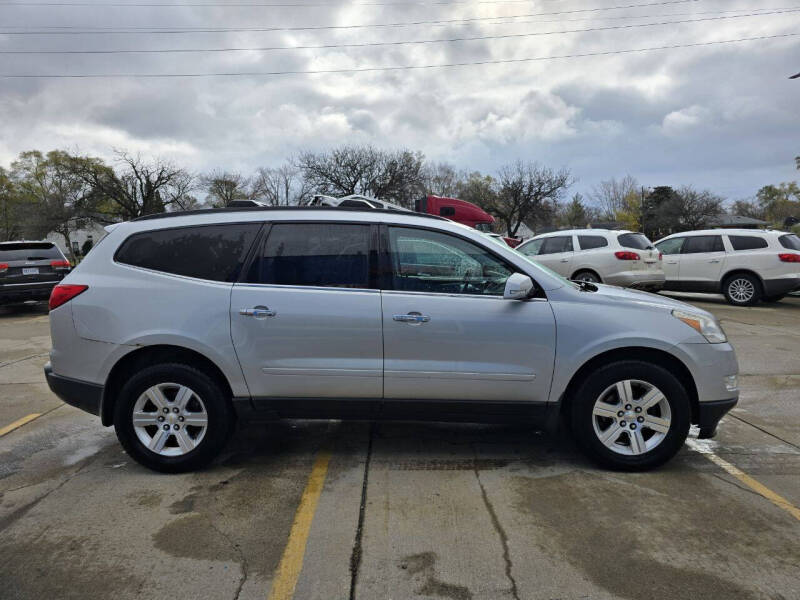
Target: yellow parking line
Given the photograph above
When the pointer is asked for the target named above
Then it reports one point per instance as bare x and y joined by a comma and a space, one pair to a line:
754, 485
285, 580
18, 423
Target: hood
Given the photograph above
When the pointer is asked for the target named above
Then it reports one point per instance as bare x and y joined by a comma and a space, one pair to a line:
614, 293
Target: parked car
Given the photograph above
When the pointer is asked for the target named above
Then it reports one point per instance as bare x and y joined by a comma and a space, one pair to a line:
746, 265
179, 324
30, 270
616, 257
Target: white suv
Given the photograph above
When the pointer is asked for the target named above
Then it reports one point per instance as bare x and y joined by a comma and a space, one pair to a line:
616, 257
746, 265
175, 326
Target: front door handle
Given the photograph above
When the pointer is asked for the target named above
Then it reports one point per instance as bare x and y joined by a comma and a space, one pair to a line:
714, 260
412, 317
259, 312
564, 260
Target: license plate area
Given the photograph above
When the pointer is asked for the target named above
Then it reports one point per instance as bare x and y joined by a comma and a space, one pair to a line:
30, 270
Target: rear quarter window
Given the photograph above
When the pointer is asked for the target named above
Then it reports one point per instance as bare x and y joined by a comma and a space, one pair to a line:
747, 242
790, 241
213, 252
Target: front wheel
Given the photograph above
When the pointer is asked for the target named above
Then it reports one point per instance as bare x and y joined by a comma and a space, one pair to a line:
589, 276
172, 418
631, 415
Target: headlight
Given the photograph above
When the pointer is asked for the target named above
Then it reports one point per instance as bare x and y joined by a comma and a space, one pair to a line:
705, 326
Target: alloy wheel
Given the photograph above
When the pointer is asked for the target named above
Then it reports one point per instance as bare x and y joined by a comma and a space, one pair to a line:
169, 419
631, 417
741, 290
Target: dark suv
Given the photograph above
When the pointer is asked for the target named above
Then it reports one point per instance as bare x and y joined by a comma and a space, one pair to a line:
30, 270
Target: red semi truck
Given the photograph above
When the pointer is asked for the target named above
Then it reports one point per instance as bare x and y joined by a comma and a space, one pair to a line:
460, 211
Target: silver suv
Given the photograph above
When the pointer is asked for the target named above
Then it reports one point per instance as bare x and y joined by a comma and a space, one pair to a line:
177, 325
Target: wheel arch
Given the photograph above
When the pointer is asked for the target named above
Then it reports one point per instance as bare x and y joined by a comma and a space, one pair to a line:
153, 355
740, 271
591, 270
652, 355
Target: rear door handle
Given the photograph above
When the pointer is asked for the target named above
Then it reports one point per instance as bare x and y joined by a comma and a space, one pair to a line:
412, 317
259, 312
714, 260
564, 260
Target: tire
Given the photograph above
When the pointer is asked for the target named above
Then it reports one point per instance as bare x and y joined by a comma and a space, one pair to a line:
777, 298
627, 446
586, 275
742, 289
189, 444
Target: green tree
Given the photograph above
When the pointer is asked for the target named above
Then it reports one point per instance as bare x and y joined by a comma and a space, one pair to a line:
12, 208
779, 201
629, 213
574, 213
61, 200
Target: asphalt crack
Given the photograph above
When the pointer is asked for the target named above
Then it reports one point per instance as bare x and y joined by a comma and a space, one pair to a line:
355, 557
238, 551
500, 532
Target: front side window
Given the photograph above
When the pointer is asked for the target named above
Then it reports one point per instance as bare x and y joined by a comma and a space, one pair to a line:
531, 248
671, 246
556, 244
437, 263
747, 242
314, 254
699, 244
590, 242
790, 241
638, 241
214, 252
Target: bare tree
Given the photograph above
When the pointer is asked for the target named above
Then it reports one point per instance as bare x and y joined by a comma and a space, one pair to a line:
697, 207
528, 193
441, 179
280, 186
396, 176
223, 187
138, 186
609, 196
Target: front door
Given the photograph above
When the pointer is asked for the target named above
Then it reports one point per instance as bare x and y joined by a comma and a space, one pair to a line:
556, 254
308, 322
702, 259
448, 332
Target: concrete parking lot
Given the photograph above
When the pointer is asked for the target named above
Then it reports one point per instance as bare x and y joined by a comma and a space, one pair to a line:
334, 510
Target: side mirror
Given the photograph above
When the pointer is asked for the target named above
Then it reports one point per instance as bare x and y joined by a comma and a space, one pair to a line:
518, 287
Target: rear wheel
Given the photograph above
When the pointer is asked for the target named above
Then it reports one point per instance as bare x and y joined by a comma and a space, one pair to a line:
742, 289
630, 415
172, 418
589, 276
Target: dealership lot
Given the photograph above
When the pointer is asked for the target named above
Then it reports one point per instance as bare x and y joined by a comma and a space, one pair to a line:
405, 510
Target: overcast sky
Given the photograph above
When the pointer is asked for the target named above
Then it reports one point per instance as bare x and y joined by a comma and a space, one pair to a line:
724, 117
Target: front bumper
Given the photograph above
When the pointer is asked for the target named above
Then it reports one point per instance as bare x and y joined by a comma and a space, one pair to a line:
709, 414
80, 394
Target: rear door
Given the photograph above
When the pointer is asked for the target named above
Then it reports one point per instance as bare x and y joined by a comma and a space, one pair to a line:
30, 263
307, 321
556, 254
702, 260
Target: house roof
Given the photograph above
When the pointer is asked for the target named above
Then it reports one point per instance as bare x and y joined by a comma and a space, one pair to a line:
725, 220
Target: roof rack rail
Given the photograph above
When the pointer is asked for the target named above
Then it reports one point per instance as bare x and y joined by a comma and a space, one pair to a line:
213, 211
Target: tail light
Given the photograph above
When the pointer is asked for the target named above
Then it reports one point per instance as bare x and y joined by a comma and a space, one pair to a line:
3, 267
660, 256
59, 264
625, 255
787, 257
65, 293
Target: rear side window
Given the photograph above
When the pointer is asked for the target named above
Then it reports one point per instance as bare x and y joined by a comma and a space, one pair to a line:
747, 242
638, 241
790, 241
555, 244
315, 254
214, 252
589, 242
29, 251
697, 244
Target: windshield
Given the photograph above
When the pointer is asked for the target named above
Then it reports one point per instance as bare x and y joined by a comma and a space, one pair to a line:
790, 241
637, 241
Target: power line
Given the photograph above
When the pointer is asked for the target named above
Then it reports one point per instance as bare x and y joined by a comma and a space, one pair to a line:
177, 30
400, 43
392, 68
